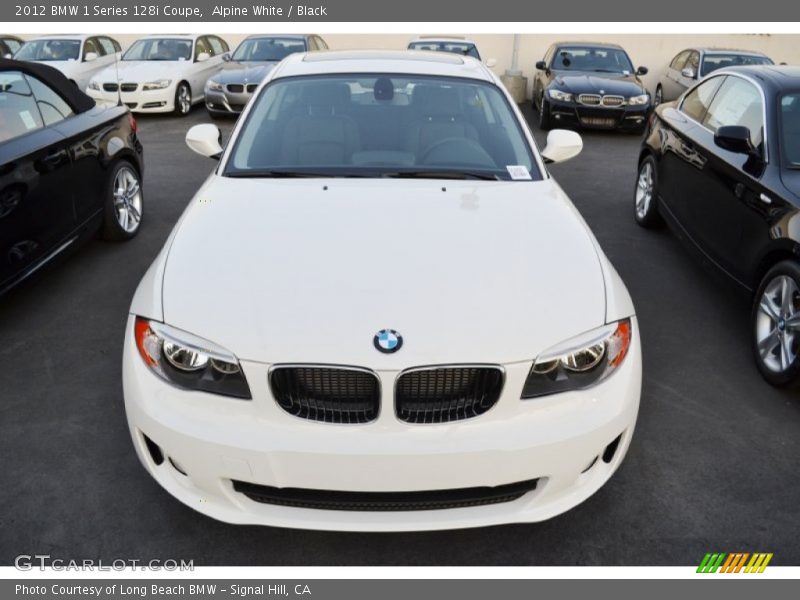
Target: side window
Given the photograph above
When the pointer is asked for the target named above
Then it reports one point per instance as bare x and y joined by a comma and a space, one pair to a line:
13, 45
678, 62
321, 43
107, 44
91, 45
216, 45
311, 43
202, 46
738, 102
696, 102
18, 112
52, 106
549, 55
693, 63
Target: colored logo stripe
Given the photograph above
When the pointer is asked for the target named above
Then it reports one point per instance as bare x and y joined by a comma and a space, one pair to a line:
734, 562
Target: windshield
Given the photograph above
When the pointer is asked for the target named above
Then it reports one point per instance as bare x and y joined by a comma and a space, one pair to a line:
712, 62
46, 50
599, 60
270, 49
159, 49
382, 126
461, 48
790, 126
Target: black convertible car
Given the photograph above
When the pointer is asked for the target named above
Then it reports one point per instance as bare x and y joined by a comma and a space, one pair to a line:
722, 166
68, 168
590, 85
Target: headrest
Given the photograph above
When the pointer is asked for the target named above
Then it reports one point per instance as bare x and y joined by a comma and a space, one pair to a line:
384, 89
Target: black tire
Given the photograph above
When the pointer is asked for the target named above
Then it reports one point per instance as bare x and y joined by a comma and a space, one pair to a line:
113, 229
544, 114
645, 211
182, 108
777, 370
658, 98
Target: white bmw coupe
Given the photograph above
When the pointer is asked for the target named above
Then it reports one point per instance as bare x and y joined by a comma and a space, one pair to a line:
380, 312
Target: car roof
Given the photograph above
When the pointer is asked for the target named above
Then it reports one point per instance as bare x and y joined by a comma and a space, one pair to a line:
588, 44
66, 36
776, 76
409, 62
172, 36
441, 38
716, 50
291, 36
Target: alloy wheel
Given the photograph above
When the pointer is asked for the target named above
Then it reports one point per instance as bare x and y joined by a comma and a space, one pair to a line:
777, 324
127, 199
644, 190
184, 99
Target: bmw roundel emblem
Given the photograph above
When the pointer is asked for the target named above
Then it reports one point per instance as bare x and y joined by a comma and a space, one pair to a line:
387, 341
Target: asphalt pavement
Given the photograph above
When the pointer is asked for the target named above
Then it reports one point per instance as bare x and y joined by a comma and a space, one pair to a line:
713, 465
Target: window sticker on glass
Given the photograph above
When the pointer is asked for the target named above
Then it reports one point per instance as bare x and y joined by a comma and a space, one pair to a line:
518, 172
27, 119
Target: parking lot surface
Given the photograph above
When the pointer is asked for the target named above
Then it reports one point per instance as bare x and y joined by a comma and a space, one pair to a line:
712, 466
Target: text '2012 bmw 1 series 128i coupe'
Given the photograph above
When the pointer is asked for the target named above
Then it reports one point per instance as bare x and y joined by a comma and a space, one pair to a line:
380, 312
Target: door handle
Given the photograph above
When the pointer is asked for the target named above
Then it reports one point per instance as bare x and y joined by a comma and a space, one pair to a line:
765, 199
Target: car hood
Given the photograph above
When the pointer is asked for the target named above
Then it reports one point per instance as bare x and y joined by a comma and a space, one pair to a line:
593, 83
142, 70
244, 72
310, 270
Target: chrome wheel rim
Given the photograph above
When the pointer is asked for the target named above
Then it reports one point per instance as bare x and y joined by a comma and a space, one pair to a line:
644, 190
777, 324
541, 108
184, 99
127, 199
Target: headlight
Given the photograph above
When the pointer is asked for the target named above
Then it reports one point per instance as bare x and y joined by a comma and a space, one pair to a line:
559, 95
214, 86
579, 362
156, 85
189, 362
639, 100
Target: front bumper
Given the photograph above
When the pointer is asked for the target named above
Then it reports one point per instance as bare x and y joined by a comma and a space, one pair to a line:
598, 117
151, 101
226, 102
217, 440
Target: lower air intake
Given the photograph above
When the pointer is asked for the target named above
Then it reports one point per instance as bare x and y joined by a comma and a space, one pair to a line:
384, 501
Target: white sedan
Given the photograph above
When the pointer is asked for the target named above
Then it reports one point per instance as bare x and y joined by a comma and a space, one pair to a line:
380, 312
78, 57
161, 73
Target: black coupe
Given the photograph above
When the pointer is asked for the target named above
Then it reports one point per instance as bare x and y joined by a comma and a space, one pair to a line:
722, 166
590, 85
68, 168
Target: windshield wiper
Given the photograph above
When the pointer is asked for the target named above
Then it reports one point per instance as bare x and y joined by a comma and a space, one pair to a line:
605, 71
288, 174
442, 175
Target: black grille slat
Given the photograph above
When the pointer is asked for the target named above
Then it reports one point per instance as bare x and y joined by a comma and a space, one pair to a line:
235, 88
444, 394
251, 88
384, 501
327, 394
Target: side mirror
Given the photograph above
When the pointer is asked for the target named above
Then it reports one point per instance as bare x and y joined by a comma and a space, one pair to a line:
642, 71
90, 56
562, 145
206, 140
735, 138
541, 65
202, 57
491, 62
226, 57
689, 73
